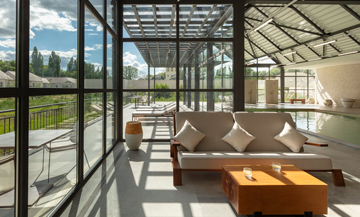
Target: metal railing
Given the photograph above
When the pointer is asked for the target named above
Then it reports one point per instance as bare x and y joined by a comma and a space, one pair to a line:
63, 117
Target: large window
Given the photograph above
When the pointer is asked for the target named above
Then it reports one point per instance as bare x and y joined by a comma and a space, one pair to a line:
260, 75
59, 120
170, 72
299, 84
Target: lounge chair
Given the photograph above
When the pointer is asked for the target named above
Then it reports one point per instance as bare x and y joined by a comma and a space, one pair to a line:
145, 99
154, 113
160, 108
64, 144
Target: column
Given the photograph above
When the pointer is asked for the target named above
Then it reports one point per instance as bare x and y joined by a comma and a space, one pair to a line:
210, 77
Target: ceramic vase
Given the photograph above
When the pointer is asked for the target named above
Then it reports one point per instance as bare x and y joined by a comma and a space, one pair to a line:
348, 102
328, 102
133, 135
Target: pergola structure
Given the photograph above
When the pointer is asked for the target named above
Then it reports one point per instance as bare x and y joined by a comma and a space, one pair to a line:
290, 37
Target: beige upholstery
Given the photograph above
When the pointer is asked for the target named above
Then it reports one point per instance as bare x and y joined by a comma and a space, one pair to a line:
215, 125
215, 160
264, 126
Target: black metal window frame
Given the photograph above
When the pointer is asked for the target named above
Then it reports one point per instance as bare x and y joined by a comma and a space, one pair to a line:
268, 77
296, 76
21, 92
238, 66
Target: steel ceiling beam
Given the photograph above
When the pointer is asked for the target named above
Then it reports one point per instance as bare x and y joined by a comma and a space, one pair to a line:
287, 27
307, 20
308, 2
352, 38
283, 31
351, 11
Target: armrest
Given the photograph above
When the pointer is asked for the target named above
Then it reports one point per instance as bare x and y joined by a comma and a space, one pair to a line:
174, 142
317, 144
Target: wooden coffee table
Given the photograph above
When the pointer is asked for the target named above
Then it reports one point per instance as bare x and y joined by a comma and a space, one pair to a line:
289, 192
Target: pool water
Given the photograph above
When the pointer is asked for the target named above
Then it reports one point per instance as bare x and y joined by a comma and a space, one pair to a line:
343, 127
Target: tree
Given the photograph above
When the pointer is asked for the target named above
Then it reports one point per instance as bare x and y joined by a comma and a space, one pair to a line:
130, 72
37, 61
162, 75
7, 65
54, 64
72, 65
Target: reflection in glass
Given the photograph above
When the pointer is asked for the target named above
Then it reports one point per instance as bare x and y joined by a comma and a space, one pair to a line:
111, 13
93, 124
7, 154
157, 21
52, 152
206, 101
205, 65
94, 70
206, 21
153, 109
110, 62
99, 6
110, 119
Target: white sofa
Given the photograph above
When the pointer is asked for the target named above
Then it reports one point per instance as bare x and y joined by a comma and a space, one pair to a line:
212, 152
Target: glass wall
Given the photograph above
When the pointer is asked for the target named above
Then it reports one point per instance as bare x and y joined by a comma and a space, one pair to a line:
261, 74
7, 156
154, 77
299, 84
52, 150
7, 43
69, 83
53, 44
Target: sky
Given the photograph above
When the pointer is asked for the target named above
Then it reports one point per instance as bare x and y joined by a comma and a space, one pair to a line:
53, 27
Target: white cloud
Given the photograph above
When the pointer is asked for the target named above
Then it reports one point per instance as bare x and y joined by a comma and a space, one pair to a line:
99, 28
41, 18
109, 46
89, 30
8, 43
129, 58
95, 47
62, 54
93, 34
93, 24
7, 55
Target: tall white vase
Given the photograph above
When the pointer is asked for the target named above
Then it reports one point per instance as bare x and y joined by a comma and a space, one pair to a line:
133, 135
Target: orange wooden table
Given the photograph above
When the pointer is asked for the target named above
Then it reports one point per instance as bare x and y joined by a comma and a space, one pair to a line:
289, 192
293, 100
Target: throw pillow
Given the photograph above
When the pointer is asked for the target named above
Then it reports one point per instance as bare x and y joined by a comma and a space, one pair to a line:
189, 136
291, 138
238, 138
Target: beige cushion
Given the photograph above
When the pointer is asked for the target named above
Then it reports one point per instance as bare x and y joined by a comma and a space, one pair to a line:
264, 126
215, 160
215, 125
238, 138
291, 138
189, 136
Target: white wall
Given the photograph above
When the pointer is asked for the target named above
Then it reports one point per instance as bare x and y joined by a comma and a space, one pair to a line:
338, 82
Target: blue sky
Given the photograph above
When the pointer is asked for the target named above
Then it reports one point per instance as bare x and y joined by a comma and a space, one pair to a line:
53, 27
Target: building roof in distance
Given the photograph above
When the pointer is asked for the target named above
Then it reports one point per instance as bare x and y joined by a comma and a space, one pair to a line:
61, 80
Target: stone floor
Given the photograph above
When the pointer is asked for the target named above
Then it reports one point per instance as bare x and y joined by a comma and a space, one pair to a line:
139, 184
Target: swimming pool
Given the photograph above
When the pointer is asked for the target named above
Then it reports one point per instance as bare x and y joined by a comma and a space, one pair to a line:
338, 126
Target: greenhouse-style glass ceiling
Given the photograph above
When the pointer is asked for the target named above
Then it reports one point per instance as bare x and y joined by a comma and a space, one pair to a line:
292, 35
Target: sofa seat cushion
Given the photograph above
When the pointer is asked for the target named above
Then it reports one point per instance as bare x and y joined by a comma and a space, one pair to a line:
214, 160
